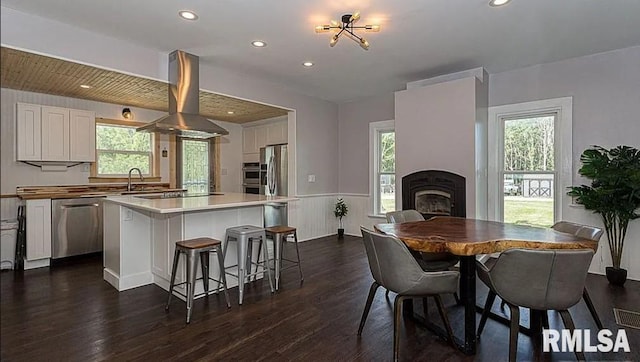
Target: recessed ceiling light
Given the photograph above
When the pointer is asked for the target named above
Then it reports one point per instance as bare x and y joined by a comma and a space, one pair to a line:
85, 86
230, 112
188, 15
308, 64
258, 44
498, 2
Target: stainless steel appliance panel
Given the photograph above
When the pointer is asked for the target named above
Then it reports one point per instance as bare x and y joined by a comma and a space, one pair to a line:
251, 189
275, 214
76, 226
274, 164
251, 173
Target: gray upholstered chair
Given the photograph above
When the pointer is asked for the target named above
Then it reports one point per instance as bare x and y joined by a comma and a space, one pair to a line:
583, 231
394, 268
587, 232
540, 280
428, 261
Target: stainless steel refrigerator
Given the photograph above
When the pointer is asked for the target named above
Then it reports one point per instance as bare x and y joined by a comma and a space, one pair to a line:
273, 181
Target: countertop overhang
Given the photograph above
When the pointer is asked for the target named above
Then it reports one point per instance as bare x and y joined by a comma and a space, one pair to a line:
91, 190
197, 203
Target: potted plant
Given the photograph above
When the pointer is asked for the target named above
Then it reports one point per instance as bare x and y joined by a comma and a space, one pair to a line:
614, 194
340, 211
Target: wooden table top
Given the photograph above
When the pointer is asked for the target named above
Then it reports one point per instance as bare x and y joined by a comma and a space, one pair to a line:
461, 236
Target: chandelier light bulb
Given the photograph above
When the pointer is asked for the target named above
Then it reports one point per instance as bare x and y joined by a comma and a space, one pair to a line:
334, 40
355, 17
372, 28
322, 28
364, 44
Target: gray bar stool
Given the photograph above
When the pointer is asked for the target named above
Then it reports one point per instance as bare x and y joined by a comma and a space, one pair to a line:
279, 234
245, 236
192, 248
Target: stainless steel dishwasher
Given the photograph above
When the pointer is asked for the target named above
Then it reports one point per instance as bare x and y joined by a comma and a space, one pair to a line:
76, 226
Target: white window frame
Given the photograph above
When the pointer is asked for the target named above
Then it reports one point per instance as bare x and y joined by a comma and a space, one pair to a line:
375, 128
563, 152
150, 154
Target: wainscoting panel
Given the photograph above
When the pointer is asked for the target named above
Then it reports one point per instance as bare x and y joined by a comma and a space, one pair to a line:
313, 216
358, 214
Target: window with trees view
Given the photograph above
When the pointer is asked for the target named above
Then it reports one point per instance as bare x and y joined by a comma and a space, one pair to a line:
530, 164
196, 165
529, 172
120, 148
383, 142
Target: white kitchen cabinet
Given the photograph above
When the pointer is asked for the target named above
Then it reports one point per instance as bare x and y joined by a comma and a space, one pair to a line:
249, 140
261, 136
38, 229
55, 134
277, 133
256, 137
29, 132
82, 135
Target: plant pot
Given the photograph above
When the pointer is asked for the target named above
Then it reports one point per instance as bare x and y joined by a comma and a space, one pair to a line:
341, 235
616, 276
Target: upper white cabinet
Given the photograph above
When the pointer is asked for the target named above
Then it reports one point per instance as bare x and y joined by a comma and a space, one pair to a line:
256, 137
277, 133
55, 134
249, 140
82, 135
29, 129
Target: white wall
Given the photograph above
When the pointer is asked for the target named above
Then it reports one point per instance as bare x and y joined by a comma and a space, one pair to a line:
606, 107
353, 136
316, 120
435, 130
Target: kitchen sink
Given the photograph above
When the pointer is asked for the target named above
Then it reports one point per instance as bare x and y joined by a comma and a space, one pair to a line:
176, 195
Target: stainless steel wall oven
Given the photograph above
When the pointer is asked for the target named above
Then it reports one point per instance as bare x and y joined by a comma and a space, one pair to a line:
251, 175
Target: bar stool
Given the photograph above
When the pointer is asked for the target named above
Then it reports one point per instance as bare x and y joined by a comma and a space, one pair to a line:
191, 248
245, 236
279, 234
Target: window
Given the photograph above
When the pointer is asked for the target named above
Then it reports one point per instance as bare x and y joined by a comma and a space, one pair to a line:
119, 148
530, 168
382, 147
196, 167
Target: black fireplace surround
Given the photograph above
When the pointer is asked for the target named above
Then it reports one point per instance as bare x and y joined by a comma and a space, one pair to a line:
434, 193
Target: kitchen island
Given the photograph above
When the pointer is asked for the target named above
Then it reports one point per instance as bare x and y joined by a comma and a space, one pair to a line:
140, 232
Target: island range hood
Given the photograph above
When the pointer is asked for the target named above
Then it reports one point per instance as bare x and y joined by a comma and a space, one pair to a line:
184, 117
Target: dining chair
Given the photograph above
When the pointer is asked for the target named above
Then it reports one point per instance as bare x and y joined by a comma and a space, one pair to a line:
587, 232
393, 267
427, 261
556, 284
584, 231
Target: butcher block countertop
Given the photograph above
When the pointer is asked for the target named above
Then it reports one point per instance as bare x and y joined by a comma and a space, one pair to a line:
93, 190
222, 200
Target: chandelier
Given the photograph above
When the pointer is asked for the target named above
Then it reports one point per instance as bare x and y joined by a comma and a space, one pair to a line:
347, 27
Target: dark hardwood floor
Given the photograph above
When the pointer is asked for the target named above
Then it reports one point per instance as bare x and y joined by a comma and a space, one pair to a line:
70, 313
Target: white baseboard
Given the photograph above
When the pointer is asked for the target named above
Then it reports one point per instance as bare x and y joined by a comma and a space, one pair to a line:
128, 282
33, 264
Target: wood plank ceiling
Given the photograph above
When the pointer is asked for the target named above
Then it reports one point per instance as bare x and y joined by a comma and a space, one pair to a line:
41, 74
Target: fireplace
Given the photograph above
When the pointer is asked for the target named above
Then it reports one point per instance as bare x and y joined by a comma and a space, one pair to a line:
434, 193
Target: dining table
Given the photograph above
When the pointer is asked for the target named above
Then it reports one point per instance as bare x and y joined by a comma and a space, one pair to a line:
469, 238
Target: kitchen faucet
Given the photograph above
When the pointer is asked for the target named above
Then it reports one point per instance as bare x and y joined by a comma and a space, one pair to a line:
129, 187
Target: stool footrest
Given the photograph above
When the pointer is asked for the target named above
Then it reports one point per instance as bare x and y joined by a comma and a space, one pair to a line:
211, 291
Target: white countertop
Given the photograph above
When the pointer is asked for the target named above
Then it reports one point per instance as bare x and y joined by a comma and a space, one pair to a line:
197, 203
